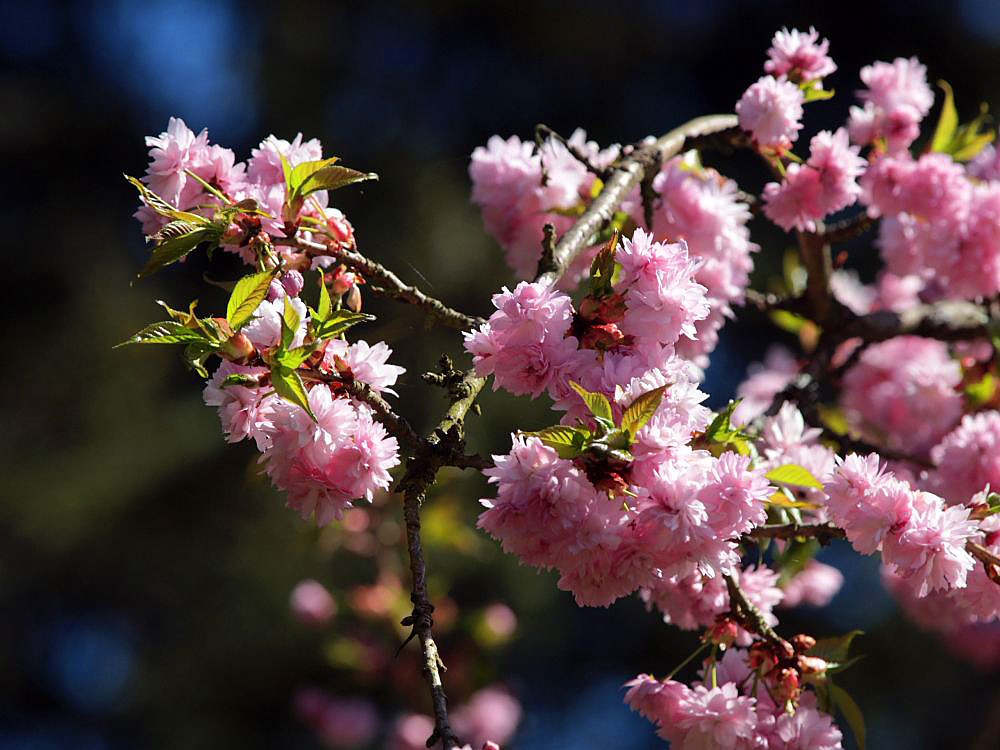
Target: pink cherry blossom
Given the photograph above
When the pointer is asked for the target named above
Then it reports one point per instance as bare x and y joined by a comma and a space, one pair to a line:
771, 111
799, 55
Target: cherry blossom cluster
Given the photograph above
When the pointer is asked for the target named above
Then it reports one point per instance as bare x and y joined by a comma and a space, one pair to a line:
521, 187
321, 446
638, 488
740, 702
612, 520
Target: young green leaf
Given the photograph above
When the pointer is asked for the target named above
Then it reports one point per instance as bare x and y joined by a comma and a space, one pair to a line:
813, 93
719, 430
248, 293
197, 353
852, 713
295, 357
602, 270
947, 123
165, 332
795, 476
176, 247
640, 411
301, 173
244, 380
288, 385
324, 306
289, 325
568, 442
339, 321
332, 177
597, 403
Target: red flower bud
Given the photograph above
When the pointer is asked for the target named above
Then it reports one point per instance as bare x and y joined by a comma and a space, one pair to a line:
785, 685
237, 348
803, 642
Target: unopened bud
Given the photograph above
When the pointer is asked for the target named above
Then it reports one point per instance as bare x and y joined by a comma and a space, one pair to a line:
354, 298
802, 642
293, 283
761, 658
811, 664
724, 632
785, 685
343, 281
275, 291
238, 348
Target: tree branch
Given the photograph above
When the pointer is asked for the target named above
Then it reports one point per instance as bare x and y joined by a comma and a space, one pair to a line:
391, 285
447, 441
628, 173
751, 619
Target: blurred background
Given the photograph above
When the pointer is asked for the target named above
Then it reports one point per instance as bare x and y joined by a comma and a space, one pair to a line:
145, 567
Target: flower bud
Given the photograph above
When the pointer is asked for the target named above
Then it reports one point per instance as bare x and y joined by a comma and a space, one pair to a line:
344, 281
354, 298
785, 685
292, 283
810, 664
724, 632
802, 642
238, 348
275, 291
761, 658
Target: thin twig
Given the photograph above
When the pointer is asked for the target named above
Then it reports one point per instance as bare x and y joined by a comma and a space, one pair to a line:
543, 131
751, 618
388, 282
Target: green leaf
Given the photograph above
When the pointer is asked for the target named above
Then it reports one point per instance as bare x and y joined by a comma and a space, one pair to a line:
289, 324
325, 306
795, 476
855, 719
197, 353
597, 403
719, 430
339, 321
286, 171
834, 649
816, 94
288, 385
568, 442
165, 332
961, 142
640, 411
602, 270
333, 177
787, 321
296, 357
301, 173
980, 393
248, 293
244, 380
176, 247
947, 123
163, 208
